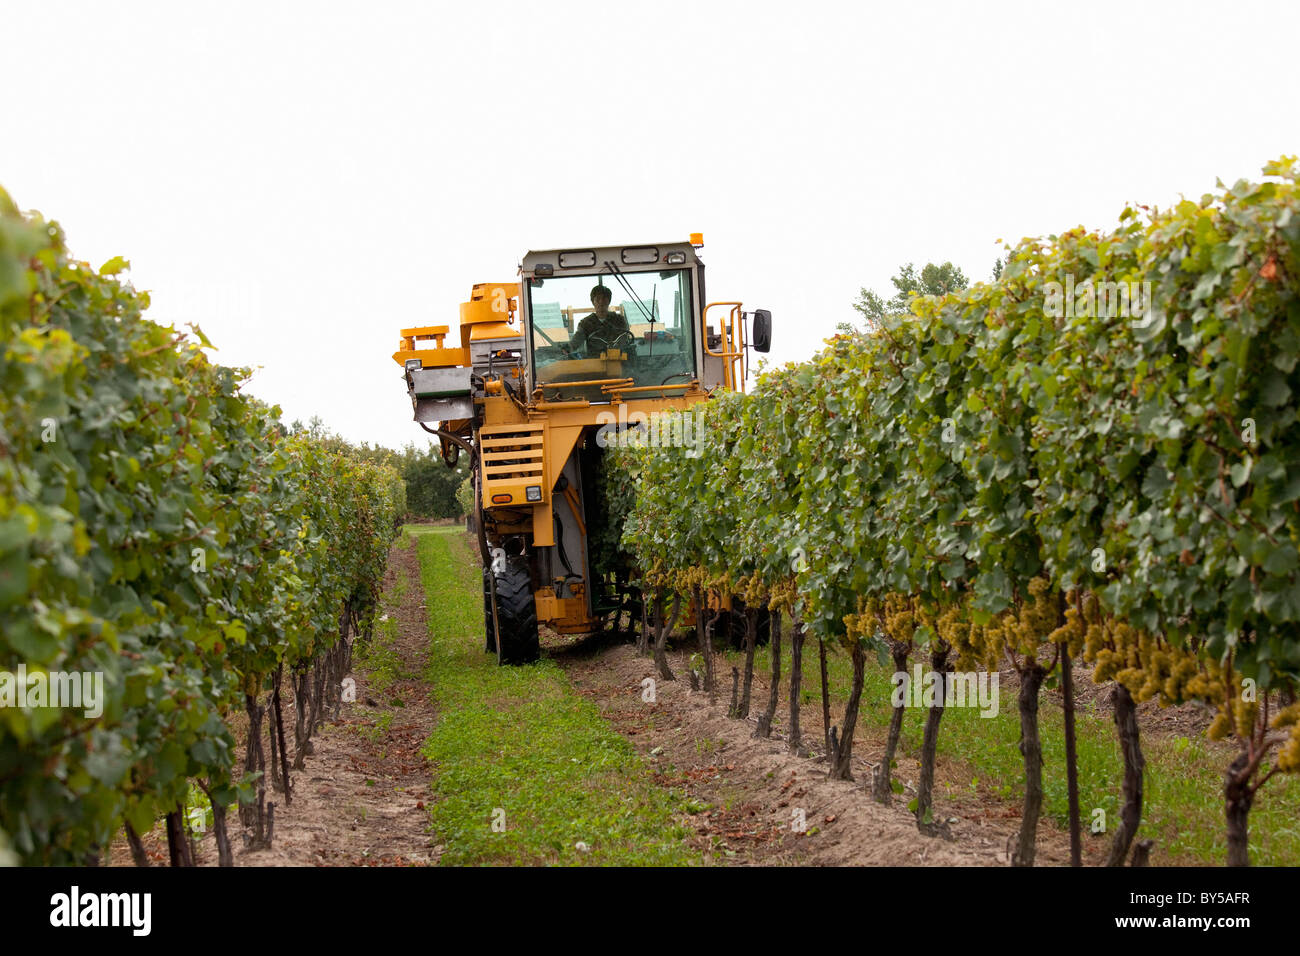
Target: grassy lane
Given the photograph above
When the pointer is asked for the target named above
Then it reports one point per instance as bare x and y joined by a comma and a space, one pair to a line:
518, 739
379, 657
1183, 803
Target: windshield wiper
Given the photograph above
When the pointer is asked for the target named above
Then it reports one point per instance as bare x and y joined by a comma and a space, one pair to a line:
622, 280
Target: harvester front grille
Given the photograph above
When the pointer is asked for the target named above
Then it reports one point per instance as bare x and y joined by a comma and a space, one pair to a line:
513, 457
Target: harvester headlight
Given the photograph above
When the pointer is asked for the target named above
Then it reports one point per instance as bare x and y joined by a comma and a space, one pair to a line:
533, 492
675, 258
640, 255
413, 364
578, 259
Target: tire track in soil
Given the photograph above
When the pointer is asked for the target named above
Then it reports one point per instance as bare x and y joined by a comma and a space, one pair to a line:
360, 799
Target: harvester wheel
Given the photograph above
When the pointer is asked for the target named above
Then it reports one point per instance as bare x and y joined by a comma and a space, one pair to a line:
516, 614
489, 644
732, 625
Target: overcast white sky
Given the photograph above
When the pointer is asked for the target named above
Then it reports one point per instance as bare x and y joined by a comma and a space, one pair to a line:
304, 179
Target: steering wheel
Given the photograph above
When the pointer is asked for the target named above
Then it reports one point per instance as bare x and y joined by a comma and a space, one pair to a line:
610, 343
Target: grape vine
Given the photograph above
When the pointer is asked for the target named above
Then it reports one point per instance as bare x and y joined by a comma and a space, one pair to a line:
162, 529
1000, 481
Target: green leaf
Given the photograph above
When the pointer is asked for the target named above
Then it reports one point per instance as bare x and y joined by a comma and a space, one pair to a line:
1240, 472
1282, 559
114, 266
1274, 390
203, 339
167, 518
141, 815
13, 578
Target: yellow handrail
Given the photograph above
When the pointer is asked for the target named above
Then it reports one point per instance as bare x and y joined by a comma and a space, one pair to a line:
620, 390
732, 330
594, 381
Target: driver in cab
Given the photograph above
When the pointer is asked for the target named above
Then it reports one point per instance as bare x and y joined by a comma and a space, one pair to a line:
602, 329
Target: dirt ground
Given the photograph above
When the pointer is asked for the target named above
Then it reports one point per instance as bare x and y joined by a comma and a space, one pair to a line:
756, 785
360, 800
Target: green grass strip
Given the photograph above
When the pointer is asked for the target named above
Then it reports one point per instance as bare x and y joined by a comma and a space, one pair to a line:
520, 740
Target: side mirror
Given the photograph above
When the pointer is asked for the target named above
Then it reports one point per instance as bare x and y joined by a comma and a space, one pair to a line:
761, 331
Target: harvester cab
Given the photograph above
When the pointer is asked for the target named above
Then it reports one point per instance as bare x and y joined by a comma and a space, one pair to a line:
588, 342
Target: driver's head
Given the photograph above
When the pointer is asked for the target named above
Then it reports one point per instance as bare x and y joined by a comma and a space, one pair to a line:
601, 297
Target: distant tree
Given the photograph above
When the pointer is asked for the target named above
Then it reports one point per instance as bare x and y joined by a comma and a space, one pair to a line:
430, 485
465, 497
932, 279
1000, 263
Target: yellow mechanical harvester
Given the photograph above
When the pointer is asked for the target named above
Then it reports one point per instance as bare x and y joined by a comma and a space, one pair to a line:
588, 341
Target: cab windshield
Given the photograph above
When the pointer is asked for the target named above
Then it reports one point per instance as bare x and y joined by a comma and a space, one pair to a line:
591, 328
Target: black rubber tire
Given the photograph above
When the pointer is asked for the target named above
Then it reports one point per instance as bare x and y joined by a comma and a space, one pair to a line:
731, 626
489, 643
517, 614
